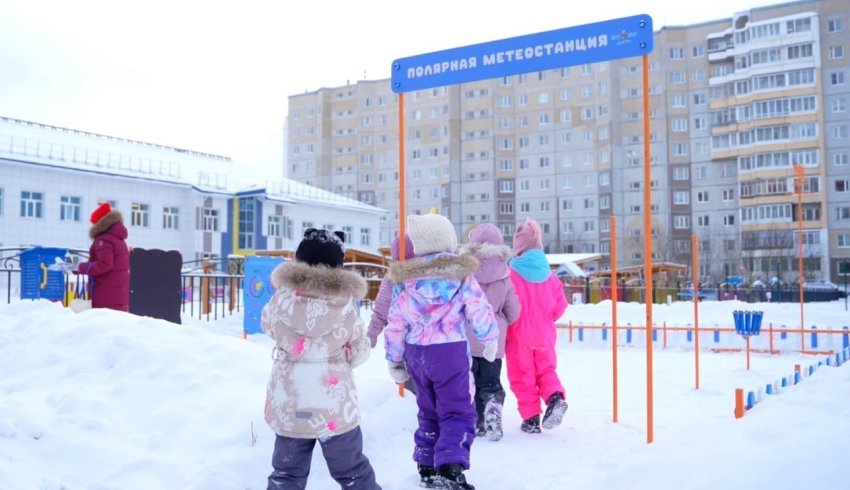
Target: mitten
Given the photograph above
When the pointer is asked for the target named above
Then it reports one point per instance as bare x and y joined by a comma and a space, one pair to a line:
398, 371
490, 349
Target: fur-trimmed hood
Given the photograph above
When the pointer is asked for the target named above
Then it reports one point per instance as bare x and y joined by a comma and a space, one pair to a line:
106, 223
493, 260
486, 250
435, 266
319, 281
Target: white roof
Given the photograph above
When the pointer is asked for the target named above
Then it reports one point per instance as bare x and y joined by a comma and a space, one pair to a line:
558, 259
70, 149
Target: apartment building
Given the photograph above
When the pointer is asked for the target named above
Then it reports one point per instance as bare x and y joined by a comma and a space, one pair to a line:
734, 103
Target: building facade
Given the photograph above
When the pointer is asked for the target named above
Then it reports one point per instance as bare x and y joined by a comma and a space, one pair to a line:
735, 103
173, 199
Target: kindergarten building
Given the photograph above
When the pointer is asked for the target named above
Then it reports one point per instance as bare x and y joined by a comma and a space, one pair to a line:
51, 178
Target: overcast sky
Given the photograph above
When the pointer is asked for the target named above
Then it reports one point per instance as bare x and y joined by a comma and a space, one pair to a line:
215, 76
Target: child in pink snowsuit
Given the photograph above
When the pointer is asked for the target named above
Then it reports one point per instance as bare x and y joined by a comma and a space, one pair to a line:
530, 348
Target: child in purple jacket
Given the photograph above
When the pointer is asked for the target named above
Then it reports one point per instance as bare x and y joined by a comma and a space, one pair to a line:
435, 299
385, 293
487, 245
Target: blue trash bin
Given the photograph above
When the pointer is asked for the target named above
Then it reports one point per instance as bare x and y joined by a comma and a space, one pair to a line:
37, 281
748, 323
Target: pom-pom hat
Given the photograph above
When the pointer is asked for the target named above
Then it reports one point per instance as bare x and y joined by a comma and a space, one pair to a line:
321, 247
100, 212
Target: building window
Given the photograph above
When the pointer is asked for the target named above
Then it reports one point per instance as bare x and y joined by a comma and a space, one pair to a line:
170, 218
677, 53
365, 237
274, 228
681, 198
70, 208
246, 224
681, 222
32, 204
139, 215
836, 78
209, 219
834, 25
506, 187
836, 52
347, 233
844, 240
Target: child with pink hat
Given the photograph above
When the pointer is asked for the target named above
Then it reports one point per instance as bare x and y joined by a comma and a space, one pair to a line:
530, 347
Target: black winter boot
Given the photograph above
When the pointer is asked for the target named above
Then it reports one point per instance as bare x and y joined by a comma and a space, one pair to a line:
493, 420
426, 475
450, 476
532, 425
556, 407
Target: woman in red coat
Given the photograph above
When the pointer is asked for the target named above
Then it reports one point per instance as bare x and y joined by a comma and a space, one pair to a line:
108, 266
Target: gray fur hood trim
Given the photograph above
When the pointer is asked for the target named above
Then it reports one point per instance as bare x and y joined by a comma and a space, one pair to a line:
318, 281
445, 266
486, 250
105, 223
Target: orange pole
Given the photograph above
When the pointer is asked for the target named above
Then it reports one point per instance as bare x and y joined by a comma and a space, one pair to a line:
614, 296
770, 331
695, 258
570, 330
401, 181
401, 385
739, 403
748, 352
647, 247
799, 171
664, 328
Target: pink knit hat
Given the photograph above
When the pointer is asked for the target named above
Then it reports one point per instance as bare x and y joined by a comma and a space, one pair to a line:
408, 248
527, 236
486, 233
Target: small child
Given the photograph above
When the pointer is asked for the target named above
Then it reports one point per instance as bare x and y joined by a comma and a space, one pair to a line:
487, 245
385, 293
530, 345
435, 299
319, 339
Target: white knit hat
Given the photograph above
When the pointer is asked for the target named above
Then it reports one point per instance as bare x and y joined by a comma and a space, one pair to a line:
431, 233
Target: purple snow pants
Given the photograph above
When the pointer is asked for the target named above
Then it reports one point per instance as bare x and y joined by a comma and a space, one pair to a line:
444, 394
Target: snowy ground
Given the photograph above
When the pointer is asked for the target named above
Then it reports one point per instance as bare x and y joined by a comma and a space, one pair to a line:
104, 400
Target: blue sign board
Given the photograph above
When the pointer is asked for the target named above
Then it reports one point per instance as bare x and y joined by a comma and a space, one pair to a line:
590, 43
258, 289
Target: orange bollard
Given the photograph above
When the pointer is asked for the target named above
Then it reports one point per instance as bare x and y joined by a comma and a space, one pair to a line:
739, 403
401, 390
796, 368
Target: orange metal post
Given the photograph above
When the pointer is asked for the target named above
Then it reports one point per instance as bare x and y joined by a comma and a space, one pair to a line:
739, 403
664, 329
647, 247
695, 258
401, 385
770, 331
614, 296
402, 221
799, 172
